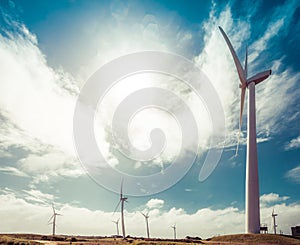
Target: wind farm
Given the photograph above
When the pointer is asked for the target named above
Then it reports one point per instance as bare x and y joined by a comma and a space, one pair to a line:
252, 203
149, 122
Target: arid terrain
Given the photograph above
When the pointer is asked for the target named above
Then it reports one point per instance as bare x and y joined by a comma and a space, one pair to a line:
33, 239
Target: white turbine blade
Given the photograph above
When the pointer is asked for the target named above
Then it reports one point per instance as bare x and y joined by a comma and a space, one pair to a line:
117, 207
259, 77
243, 91
237, 62
53, 208
50, 218
246, 63
121, 191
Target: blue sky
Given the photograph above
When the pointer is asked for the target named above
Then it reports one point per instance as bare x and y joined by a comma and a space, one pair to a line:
48, 49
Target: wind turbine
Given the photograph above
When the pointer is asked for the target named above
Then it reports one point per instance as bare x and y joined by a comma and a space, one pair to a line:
252, 219
174, 228
147, 224
122, 200
117, 224
274, 221
53, 218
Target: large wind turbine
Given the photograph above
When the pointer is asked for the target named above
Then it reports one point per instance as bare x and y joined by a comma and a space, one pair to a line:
122, 200
117, 224
174, 228
252, 219
147, 224
274, 221
53, 218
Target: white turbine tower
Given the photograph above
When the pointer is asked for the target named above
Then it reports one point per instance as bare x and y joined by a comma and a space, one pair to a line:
53, 218
174, 229
117, 224
122, 200
274, 221
252, 219
147, 224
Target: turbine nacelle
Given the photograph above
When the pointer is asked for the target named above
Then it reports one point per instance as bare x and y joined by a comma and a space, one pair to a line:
259, 77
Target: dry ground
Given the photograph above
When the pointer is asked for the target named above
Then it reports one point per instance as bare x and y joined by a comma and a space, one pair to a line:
239, 239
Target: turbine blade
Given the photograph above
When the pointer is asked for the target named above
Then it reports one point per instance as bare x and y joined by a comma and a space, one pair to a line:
51, 218
53, 208
121, 191
243, 91
236, 60
246, 63
117, 207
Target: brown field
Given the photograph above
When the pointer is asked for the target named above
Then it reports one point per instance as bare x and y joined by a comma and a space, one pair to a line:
32, 239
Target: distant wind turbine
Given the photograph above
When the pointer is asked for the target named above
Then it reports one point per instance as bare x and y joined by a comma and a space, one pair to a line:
174, 229
252, 219
53, 218
122, 200
147, 224
274, 221
117, 224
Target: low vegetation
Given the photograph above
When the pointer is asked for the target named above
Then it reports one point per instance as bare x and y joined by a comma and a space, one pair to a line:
32, 239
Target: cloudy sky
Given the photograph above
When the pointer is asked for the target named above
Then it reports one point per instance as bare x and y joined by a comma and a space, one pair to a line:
49, 49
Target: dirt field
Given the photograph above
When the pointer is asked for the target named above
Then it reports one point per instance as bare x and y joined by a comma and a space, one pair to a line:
32, 239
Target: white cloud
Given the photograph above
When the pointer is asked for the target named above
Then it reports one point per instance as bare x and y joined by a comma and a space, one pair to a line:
272, 198
40, 119
13, 171
36, 109
34, 195
293, 144
44, 167
294, 174
204, 222
155, 203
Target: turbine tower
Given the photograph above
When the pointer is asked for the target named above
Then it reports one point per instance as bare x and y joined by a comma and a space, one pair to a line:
174, 229
53, 218
252, 219
122, 200
274, 221
117, 224
147, 224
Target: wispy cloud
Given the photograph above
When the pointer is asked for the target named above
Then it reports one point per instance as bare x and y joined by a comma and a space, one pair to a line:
34, 195
294, 174
13, 171
293, 144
